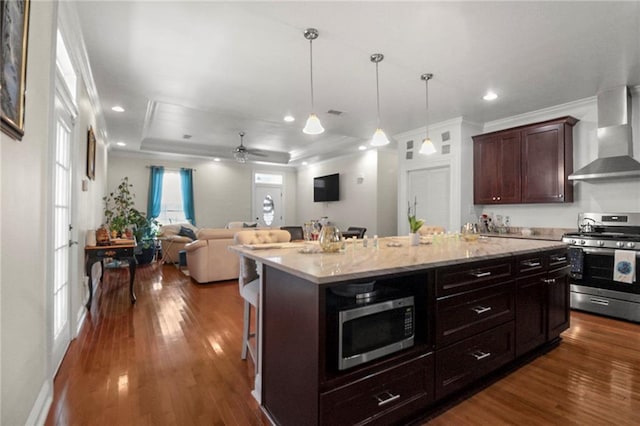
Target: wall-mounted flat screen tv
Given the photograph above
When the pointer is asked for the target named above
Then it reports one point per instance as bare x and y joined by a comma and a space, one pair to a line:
326, 188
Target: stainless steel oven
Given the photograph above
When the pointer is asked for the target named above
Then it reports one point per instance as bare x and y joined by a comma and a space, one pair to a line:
593, 251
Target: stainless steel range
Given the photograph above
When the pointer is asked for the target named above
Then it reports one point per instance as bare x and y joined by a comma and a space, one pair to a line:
604, 254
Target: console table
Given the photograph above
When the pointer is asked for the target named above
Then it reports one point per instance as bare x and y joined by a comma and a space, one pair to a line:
123, 251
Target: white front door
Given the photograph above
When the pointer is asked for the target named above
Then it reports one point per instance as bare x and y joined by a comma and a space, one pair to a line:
267, 205
431, 190
61, 272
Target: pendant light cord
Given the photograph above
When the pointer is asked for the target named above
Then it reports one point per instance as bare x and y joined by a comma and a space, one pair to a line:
378, 94
311, 67
426, 81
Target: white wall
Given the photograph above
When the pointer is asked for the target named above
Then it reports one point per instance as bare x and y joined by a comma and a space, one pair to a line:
387, 175
358, 205
619, 195
24, 239
459, 160
222, 190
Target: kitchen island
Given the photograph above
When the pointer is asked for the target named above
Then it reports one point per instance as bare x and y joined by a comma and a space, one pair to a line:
480, 308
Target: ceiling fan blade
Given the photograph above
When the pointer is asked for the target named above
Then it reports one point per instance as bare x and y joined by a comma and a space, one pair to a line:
257, 152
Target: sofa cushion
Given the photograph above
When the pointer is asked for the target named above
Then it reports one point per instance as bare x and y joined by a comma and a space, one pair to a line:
187, 232
215, 233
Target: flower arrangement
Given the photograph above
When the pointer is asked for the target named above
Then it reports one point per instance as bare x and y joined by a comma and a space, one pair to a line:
414, 224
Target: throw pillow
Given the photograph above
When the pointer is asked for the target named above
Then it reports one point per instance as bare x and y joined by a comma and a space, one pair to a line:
250, 225
187, 232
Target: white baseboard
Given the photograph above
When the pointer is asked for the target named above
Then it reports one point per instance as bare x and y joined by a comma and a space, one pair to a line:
40, 409
80, 317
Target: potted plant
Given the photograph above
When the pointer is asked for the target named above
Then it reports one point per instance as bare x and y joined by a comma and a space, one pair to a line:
144, 230
414, 224
118, 208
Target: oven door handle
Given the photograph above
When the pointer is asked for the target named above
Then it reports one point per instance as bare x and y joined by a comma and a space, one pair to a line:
604, 251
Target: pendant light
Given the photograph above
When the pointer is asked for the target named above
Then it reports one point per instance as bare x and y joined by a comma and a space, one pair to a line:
379, 138
313, 126
427, 147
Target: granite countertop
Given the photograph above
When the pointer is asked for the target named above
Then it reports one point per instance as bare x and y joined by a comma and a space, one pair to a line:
394, 255
549, 234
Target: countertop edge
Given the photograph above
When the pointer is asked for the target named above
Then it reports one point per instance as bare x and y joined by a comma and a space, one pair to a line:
269, 256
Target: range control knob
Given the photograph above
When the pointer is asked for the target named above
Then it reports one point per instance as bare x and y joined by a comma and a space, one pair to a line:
582, 242
600, 243
631, 244
620, 244
573, 242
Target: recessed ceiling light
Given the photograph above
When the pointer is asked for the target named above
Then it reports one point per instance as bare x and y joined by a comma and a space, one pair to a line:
362, 147
117, 108
304, 163
216, 159
121, 144
289, 118
490, 96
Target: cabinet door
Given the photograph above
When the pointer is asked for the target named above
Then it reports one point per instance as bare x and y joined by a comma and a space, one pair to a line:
485, 169
543, 164
531, 312
509, 173
558, 302
496, 168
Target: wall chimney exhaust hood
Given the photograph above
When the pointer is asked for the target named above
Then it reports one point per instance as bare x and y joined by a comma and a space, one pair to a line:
615, 142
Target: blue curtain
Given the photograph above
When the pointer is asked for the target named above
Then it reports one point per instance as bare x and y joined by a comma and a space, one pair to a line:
186, 178
155, 191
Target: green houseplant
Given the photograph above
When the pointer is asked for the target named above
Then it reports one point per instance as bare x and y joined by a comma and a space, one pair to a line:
414, 224
121, 216
119, 207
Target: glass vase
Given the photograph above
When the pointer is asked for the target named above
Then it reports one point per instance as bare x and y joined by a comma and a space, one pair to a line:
330, 238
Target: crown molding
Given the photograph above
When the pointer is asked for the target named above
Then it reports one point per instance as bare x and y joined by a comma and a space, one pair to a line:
69, 26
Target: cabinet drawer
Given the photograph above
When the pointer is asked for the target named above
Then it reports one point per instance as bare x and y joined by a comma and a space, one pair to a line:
462, 363
530, 264
558, 260
470, 313
460, 278
386, 397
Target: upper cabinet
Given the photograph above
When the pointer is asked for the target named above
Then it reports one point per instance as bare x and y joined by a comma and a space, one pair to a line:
526, 164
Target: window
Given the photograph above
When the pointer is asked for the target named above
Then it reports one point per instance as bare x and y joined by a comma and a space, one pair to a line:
171, 207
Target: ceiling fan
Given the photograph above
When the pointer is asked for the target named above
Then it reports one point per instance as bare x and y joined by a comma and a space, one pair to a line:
242, 154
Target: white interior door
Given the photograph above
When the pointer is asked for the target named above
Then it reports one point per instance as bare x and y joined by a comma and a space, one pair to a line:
431, 188
267, 205
61, 233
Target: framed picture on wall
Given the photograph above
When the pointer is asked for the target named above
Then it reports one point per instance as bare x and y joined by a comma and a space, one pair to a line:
14, 20
91, 154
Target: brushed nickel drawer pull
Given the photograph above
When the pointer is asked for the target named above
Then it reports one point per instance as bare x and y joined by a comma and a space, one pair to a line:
559, 259
481, 309
478, 355
388, 397
603, 302
531, 264
480, 274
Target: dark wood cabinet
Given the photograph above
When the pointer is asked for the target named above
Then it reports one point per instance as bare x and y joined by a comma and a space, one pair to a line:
464, 362
542, 300
471, 319
386, 397
497, 168
526, 164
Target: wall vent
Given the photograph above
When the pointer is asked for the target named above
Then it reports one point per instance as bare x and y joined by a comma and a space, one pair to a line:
335, 112
409, 155
446, 149
409, 145
446, 136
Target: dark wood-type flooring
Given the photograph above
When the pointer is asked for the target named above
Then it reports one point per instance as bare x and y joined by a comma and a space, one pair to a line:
174, 359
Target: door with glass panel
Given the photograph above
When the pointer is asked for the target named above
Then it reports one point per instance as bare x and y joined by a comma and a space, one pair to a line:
61, 273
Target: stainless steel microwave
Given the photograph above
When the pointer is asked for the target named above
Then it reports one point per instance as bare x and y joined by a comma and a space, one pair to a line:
374, 330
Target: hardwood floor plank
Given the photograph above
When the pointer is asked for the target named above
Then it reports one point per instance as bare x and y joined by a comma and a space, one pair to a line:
173, 358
